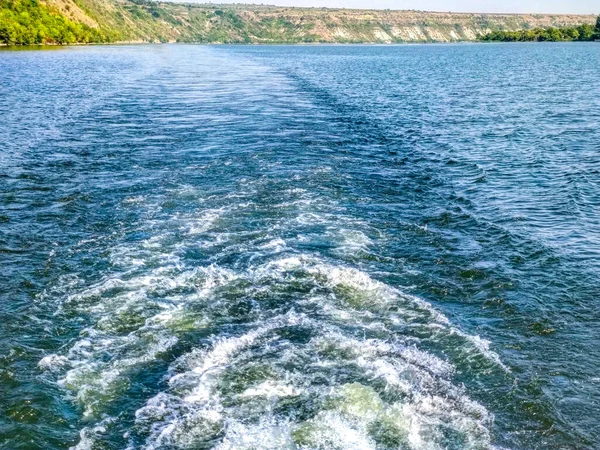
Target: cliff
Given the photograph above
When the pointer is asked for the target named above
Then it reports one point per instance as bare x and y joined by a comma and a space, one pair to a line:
142, 21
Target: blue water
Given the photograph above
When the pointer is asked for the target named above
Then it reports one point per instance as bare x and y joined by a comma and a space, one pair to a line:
300, 247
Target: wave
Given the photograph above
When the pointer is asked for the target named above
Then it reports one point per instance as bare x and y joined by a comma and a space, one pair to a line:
323, 356
259, 344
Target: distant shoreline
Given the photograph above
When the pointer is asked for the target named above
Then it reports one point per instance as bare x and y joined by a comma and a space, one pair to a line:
144, 21
4, 47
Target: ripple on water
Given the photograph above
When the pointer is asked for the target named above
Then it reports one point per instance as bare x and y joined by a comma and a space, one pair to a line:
299, 247
329, 358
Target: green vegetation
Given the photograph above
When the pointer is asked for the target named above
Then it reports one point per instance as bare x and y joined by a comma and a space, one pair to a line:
26, 22
579, 33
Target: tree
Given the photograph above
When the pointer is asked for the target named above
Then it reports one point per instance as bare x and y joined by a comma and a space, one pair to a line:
571, 34
25, 22
585, 32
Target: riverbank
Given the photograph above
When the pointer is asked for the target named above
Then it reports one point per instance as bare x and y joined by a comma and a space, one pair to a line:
581, 33
107, 21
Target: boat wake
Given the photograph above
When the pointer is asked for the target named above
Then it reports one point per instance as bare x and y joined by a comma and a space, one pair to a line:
294, 352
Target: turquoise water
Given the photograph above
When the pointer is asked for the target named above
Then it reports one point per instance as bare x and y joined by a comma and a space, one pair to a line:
300, 247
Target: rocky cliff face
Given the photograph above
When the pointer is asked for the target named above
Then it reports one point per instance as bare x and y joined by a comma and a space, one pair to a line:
141, 21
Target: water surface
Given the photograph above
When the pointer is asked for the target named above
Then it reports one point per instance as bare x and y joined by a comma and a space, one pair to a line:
300, 247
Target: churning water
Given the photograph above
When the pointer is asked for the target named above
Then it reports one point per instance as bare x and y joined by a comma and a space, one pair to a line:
332, 247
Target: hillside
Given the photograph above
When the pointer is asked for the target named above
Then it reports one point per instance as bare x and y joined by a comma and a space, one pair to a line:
142, 21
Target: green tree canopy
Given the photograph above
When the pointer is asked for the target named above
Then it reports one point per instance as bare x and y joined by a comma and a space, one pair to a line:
579, 33
27, 22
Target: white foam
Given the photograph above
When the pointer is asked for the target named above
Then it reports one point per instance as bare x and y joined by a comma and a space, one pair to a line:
483, 347
53, 362
95, 381
203, 223
350, 241
88, 435
371, 294
197, 386
271, 389
138, 314
276, 245
335, 432
269, 434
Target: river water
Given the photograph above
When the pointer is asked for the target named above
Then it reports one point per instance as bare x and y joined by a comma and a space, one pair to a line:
300, 247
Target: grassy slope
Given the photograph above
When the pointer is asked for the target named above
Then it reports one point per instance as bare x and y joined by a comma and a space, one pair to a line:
25, 22
141, 21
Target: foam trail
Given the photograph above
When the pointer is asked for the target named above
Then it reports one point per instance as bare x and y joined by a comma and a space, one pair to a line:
301, 351
201, 408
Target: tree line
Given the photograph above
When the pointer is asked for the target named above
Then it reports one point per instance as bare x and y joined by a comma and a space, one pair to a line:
29, 22
577, 33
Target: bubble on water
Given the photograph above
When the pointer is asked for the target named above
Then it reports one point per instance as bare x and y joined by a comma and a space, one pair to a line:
267, 435
347, 374
330, 430
138, 319
271, 389
89, 436
276, 245
53, 362
202, 223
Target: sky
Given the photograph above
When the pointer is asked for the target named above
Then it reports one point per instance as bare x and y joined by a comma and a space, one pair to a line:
484, 6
